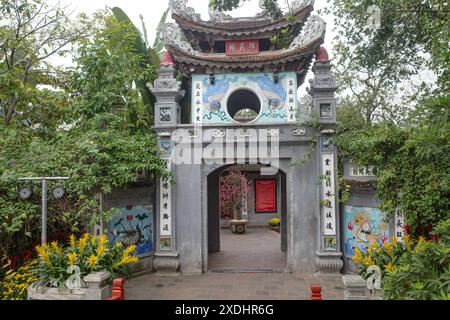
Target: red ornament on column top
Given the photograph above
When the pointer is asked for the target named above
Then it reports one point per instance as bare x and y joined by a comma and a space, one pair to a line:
322, 55
167, 60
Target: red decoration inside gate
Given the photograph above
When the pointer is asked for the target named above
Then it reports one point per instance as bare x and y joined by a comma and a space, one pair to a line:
266, 196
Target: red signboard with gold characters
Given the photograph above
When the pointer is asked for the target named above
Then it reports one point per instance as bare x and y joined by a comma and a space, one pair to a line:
266, 196
242, 47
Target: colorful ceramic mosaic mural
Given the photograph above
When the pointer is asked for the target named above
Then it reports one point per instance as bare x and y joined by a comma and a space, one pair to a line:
133, 225
278, 98
363, 226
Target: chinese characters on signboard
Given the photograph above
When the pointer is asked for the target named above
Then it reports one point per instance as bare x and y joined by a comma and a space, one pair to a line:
241, 47
165, 213
399, 225
362, 171
328, 196
197, 116
291, 96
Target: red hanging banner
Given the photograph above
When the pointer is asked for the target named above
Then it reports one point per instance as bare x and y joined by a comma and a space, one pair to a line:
266, 196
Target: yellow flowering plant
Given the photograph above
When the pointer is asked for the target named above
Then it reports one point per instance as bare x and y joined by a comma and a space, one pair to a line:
15, 283
89, 253
275, 222
384, 256
416, 269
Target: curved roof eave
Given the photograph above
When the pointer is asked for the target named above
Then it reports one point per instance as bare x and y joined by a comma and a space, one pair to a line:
222, 24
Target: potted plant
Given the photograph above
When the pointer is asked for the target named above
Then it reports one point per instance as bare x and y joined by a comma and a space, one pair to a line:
275, 224
234, 191
84, 269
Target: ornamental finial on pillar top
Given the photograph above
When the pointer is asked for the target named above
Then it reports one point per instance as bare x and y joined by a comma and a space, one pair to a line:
322, 55
167, 60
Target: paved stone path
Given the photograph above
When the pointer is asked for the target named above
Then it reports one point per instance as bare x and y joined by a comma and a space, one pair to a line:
231, 286
258, 249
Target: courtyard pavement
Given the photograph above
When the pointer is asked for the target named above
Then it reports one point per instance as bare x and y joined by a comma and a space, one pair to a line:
258, 249
249, 267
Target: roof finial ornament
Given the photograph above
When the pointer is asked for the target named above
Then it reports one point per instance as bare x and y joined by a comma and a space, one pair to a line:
167, 60
322, 55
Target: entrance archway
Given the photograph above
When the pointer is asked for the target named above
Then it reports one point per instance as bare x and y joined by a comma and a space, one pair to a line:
261, 249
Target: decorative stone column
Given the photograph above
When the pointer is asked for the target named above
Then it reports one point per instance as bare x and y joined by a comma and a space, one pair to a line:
167, 91
323, 88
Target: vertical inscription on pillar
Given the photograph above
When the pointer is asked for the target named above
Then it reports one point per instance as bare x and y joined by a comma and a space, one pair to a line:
291, 93
328, 195
399, 225
165, 214
197, 102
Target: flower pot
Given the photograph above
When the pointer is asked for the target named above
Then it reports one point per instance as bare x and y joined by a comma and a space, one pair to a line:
238, 226
96, 288
275, 228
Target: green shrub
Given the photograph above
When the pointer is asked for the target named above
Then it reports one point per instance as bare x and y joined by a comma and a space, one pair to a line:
418, 270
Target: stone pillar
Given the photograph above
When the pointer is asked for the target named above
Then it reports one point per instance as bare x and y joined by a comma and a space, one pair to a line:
355, 287
167, 91
323, 88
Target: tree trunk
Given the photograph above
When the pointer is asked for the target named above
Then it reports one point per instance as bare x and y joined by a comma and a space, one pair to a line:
236, 213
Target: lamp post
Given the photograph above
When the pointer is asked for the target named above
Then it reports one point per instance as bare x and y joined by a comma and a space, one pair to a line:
44, 185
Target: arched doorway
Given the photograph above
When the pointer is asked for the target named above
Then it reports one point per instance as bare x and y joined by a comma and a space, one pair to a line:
260, 249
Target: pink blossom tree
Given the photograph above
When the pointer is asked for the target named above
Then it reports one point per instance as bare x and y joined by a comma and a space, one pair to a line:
235, 187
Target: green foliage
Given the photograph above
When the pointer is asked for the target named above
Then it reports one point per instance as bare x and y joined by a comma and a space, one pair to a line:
150, 57
384, 123
31, 33
89, 254
91, 124
413, 270
224, 5
271, 7
109, 69
97, 154
378, 69
158, 45
16, 281
414, 169
284, 39
422, 273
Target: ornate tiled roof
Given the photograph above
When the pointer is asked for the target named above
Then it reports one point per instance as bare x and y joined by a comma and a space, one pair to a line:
300, 52
223, 25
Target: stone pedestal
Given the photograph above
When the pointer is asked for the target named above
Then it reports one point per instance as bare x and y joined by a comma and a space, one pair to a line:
329, 263
355, 287
166, 262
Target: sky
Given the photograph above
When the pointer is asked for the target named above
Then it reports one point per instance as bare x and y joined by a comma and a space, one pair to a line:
152, 11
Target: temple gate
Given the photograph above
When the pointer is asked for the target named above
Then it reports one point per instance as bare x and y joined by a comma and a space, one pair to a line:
227, 96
